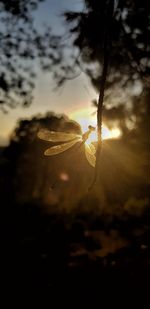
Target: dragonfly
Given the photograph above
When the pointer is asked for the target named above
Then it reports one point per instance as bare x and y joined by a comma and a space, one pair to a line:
68, 140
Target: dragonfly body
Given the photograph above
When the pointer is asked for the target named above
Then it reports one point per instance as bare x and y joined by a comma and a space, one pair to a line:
85, 135
69, 140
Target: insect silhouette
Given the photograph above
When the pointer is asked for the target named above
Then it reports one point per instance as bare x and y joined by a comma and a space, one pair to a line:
68, 140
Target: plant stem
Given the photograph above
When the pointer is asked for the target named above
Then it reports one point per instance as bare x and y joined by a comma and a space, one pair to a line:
100, 110
106, 51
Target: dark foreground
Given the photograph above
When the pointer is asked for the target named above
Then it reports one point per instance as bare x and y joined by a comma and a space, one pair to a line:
74, 261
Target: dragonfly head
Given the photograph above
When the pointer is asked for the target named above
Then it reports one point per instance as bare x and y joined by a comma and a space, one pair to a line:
91, 128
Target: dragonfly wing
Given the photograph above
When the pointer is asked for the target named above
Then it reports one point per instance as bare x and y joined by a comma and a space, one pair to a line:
91, 148
52, 136
90, 155
60, 148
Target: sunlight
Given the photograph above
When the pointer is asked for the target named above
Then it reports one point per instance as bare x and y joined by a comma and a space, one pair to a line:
85, 117
106, 134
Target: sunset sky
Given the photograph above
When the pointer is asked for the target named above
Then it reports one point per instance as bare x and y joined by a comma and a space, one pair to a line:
75, 95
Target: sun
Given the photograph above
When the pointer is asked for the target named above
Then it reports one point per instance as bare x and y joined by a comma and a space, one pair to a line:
85, 117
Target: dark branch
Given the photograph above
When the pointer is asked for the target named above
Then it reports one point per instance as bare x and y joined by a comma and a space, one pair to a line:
106, 51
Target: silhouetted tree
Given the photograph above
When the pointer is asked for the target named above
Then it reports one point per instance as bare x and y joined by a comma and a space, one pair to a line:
21, 47
129, 49
31, 173
128, 56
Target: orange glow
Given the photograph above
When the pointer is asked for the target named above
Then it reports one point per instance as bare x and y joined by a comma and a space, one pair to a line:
85, 117
64, 176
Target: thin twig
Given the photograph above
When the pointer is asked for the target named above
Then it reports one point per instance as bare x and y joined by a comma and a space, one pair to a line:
106, 51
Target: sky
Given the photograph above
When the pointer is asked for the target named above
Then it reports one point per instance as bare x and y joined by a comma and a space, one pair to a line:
75, 96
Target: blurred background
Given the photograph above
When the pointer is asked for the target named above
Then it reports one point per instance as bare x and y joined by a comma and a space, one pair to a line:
60, 241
